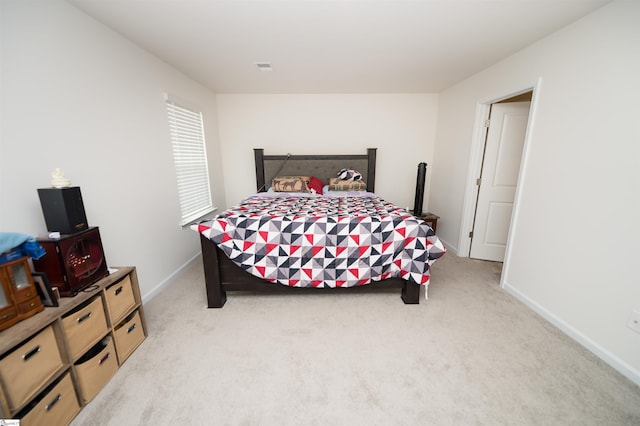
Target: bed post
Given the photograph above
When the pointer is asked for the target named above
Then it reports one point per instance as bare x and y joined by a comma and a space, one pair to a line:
411, 293
371, 169
216, 296
258, 154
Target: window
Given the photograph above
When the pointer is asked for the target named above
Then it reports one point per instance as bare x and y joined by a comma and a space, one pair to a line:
190, 159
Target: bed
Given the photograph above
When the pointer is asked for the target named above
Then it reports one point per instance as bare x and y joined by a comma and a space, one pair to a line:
305, 241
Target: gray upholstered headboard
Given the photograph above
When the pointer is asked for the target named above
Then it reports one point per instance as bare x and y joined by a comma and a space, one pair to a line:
321, 166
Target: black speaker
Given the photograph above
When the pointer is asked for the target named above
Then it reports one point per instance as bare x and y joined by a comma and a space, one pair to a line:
63, 209
417, 206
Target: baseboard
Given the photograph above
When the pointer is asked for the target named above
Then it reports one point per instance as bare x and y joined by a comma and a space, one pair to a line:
158, 288
615, 362
450, 248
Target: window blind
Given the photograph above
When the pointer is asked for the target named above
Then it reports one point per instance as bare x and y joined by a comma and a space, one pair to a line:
190, 160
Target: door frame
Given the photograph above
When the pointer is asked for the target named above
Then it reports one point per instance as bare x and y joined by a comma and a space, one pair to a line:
483, 108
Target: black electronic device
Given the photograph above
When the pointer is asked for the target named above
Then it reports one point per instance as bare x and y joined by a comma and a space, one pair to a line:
63, 209
417, 206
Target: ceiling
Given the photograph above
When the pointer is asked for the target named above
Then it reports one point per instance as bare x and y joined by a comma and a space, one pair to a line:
334, 46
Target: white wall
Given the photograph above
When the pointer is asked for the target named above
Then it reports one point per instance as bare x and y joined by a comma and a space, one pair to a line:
76, 95
574, 242
401, 126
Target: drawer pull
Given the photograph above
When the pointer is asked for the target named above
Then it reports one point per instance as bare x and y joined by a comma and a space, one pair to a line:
31, 353
84, 317
104, 358
118, 291
52, 403
130, 329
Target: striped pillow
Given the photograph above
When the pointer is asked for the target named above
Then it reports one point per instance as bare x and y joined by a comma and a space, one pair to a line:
336, 184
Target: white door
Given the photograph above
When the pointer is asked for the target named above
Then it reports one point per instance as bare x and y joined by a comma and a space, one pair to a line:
500, 167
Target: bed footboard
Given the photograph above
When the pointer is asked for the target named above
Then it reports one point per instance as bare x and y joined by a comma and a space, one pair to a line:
221, 274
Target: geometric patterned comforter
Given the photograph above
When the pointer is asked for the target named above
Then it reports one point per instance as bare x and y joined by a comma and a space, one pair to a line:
323, 241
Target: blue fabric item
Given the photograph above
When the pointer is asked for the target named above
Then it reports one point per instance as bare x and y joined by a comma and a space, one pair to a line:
25, 243
9, 240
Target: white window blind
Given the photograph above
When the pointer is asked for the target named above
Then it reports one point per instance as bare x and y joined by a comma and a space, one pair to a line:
190, 159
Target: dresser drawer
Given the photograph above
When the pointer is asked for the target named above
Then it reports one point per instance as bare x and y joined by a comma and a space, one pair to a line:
120, 299
57, 407
33, 304
85, 327
95, 368
8, 316
29, 366
25, 294
128, 335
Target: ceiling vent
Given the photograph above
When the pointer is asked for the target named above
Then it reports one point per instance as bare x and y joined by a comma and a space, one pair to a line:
264, 66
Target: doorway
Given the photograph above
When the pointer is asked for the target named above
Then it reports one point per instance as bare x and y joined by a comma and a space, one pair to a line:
494, 170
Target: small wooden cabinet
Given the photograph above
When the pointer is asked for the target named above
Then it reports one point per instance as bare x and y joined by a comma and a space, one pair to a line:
19, 298
431, 219
75, 349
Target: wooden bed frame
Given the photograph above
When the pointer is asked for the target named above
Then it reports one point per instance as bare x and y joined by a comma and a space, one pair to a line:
222, 275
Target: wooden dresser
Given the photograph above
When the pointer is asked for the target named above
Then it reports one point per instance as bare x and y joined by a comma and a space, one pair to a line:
55, 362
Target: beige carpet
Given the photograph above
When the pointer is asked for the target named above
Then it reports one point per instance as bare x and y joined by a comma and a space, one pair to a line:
471, 354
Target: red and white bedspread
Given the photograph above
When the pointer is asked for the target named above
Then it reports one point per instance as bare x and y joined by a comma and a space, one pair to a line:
324, 241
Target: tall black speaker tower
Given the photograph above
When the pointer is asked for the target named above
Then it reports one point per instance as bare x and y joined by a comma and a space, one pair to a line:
417, 206
63, 209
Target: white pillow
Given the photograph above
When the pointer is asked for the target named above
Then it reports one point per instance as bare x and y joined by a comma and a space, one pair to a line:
348, 174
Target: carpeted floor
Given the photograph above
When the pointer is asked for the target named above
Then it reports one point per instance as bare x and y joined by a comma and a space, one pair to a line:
471, 354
